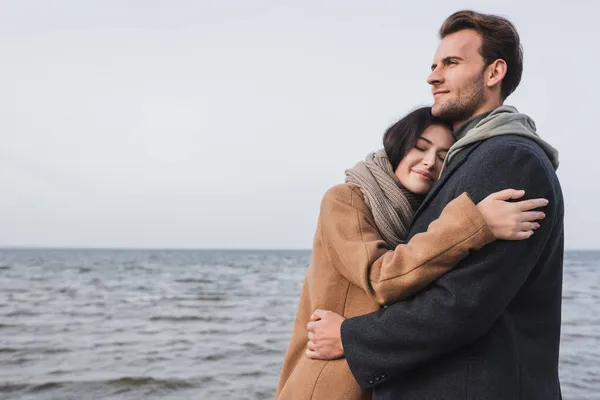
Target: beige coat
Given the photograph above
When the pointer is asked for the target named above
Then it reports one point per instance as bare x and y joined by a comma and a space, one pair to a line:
353, 272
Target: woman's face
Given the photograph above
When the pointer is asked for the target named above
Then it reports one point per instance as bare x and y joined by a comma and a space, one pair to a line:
421, 166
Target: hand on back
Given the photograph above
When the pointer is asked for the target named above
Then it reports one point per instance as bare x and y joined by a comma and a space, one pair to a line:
511, 220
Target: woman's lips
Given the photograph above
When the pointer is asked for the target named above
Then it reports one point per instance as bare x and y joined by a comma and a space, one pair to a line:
423, 175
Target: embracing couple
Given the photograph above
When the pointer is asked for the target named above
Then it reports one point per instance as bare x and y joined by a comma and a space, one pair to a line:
436, 270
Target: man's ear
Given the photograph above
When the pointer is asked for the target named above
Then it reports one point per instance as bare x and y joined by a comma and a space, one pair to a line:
495, 72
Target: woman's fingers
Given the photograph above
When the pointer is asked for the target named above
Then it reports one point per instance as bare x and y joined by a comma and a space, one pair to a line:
508, 194
529, 216
527, 205
528, 226
523, 235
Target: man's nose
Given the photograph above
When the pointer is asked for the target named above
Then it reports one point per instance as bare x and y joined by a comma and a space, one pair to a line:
435, 78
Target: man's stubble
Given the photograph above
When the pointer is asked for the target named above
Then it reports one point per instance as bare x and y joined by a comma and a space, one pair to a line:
463, 107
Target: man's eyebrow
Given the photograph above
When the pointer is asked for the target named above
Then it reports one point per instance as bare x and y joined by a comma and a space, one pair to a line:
430, 142
445, 61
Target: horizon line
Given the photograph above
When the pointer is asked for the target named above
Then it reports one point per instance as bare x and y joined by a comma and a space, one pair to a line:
126, 248
27, 247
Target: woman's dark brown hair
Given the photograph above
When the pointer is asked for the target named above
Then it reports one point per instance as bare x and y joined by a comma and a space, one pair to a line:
500, 41
404, 134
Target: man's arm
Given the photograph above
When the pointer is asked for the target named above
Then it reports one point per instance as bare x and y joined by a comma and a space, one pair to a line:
462, 305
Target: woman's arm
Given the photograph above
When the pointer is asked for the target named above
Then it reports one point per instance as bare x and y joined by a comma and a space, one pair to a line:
355, 247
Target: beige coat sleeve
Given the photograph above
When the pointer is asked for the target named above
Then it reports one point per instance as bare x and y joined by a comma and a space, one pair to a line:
355, 247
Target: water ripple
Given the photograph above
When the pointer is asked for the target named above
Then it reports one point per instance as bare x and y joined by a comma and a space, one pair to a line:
193, 324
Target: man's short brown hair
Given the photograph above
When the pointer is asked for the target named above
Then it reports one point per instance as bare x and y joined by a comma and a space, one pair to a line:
500, 41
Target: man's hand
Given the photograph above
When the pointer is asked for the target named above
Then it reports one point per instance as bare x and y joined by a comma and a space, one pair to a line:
324, 336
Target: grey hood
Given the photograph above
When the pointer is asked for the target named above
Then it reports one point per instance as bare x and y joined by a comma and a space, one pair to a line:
504, 120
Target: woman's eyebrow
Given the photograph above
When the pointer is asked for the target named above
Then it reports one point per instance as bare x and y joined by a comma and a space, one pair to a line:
430, 142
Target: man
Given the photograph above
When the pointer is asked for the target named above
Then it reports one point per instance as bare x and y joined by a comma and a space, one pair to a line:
490, 328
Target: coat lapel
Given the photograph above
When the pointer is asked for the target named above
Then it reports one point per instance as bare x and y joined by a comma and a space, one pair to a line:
456, 162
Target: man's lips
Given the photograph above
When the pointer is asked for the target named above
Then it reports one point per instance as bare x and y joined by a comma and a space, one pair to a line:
439, 92
423, 174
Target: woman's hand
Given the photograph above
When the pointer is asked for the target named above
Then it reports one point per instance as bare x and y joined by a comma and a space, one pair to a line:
511, 220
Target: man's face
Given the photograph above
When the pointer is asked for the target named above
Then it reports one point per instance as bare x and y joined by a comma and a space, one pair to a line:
457, 76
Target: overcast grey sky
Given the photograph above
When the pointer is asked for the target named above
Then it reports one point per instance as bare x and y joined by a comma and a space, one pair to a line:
220, 124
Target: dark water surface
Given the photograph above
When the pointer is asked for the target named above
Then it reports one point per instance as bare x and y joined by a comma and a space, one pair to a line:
93, 324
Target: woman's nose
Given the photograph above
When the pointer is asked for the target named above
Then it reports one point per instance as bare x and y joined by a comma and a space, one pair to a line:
429, 159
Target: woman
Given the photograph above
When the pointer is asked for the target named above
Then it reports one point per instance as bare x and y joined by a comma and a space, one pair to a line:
359, 261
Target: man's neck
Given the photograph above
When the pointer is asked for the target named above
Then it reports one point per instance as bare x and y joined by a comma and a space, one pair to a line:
469, 124
487, 107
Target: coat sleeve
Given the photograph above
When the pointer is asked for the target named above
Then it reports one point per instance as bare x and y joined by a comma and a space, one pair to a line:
461, 306
355, 247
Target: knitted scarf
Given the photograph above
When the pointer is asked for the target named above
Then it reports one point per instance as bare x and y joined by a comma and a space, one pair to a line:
504, 120
391, 204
